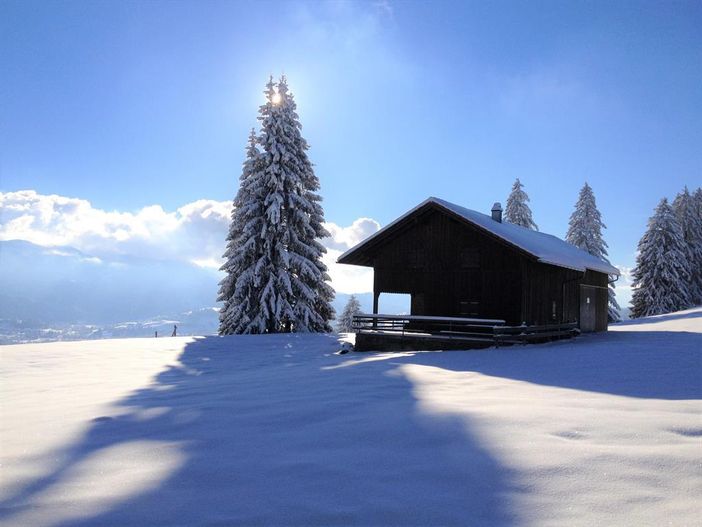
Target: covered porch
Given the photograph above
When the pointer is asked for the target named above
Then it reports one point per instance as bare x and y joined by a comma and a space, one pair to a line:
375, 332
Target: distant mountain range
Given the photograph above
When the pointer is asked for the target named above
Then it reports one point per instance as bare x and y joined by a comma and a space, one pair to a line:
63, 285
60, 293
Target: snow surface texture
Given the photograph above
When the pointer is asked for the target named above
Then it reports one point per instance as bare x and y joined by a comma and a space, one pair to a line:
279, 430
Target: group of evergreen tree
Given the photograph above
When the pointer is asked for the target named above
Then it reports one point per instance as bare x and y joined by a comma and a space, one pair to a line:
584, 228
275, 280
668, 273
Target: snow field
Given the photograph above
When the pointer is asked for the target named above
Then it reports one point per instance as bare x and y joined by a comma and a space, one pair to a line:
279, 430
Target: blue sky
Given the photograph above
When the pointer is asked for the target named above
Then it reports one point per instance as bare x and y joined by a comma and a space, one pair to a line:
129, 104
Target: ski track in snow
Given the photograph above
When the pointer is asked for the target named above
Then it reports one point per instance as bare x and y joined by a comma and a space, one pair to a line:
605, 429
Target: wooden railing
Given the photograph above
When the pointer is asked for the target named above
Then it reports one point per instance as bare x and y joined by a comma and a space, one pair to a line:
524, 334
471, 329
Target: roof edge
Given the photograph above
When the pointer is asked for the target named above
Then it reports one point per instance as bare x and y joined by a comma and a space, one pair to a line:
442, 204
382, 230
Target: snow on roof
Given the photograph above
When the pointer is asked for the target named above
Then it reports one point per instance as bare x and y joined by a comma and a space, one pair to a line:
546, 248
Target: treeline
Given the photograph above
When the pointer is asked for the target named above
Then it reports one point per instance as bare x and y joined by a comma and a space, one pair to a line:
668, 273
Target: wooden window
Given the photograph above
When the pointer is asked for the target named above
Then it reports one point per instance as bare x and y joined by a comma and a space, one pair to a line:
470, 258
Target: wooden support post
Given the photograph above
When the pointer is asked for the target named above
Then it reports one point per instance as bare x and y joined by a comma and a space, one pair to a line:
376, 296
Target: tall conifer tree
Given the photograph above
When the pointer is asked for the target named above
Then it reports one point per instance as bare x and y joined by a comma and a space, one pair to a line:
281, 281
313, 310
239, 288
585, 231
517, 210
662, 267
235, 238
697, 253
689, 216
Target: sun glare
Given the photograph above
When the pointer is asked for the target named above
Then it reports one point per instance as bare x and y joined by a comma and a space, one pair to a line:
276, 98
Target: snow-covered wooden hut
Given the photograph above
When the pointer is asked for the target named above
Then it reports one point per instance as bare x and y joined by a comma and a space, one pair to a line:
456, 262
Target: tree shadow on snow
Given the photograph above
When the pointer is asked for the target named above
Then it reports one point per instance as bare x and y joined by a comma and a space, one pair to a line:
284, 438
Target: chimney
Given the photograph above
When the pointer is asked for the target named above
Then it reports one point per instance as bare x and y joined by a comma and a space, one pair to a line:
497, 212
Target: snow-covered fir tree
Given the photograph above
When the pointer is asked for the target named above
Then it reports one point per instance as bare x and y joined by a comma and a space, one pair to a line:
689, 214
281, 281
517, 210
585, 231
305, 213
697, 260
662, 270
237, 289
345, 322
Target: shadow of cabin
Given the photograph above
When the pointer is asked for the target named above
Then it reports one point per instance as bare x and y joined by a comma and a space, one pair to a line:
455, 262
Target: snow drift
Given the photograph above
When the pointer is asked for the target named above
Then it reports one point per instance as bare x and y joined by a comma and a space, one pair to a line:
279, 430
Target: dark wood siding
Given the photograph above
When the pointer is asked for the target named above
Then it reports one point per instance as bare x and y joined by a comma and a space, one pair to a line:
452, 268
550, 293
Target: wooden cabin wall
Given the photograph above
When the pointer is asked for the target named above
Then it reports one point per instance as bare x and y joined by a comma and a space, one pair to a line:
546, 284
599, 283
454, 269
451, 269
596, 279
550, 293
571, 296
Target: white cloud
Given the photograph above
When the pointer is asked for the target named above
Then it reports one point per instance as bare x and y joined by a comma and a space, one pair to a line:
343, 238
349, 278
193, 233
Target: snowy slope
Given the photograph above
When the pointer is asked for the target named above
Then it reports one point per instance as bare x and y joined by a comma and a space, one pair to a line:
278, 430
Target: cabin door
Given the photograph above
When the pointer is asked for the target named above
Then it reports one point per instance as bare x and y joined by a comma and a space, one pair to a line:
588, 308
468, 295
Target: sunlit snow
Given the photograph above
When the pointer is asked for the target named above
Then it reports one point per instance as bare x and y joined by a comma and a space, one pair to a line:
605, 429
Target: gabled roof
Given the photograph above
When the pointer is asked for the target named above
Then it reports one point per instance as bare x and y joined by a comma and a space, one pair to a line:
545, 248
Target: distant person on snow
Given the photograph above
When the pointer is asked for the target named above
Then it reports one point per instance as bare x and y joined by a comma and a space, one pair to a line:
156, 334
175, 330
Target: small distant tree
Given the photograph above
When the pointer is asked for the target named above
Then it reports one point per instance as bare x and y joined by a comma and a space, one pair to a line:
517, 210
353, 307
662, 270
688, 210
585, 231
